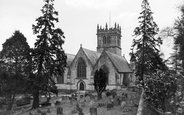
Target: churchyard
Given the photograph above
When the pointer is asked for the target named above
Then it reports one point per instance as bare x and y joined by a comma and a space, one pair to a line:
118, 102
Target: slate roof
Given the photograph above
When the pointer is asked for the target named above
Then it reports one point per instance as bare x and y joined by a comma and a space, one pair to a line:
92, 55
120, 63
70, 58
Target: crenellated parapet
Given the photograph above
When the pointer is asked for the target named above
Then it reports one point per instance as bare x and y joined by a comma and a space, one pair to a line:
116, 29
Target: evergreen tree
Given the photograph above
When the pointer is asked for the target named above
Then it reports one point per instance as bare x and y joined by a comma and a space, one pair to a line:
49, 58
147, 46
14, 66
148, 60
100, 82
179, 41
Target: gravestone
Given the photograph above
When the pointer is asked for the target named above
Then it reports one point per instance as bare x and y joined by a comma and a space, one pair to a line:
109, 106
123, 103
93, 111
101, 104
109, 102
75, 109
43, 113
80, 111
92, 103
52, 104
59, 111
39, 111
30, 113
48, 110
23, 110
58, 103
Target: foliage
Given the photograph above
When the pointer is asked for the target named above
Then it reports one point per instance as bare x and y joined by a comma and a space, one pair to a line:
100, 81
179, 41
147, 46
14, 66
176, 59
49, 58
150, 67
160, 89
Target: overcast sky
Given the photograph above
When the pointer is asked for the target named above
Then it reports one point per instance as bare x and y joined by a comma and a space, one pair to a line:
79, 18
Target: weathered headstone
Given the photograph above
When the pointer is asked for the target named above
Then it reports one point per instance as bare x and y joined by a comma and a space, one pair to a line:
48, 110
109, 106
123, 103
58, 103
23, 110
59, 111
30, 113
52, 104
74, 110
80, 111
92, 103
71, 100
109, 102
93, 111
101, 104
43, 113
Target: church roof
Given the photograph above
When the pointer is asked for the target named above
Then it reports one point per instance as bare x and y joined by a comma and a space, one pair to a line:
70, 58
119, 62
92, 55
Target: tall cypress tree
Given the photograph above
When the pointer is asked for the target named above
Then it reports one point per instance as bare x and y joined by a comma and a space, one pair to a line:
100, 82
48, 54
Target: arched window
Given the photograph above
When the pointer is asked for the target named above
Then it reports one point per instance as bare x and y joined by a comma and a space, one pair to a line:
81, 86
118, 42
104, 40
105, 69
125, 79
60, 79
81, 68
108, 39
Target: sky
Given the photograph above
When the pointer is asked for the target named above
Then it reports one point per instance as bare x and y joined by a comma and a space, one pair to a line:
79, 18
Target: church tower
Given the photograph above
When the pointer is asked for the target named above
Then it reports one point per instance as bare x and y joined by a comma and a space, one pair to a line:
109, 39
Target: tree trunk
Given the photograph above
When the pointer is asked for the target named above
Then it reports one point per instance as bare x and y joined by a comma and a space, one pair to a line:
99, 95
35, 99
141, 104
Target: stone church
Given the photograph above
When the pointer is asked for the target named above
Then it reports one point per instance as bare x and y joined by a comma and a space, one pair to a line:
79, 74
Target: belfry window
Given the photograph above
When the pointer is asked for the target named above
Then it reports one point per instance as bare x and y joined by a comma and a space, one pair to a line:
81, 68
104, 40
108, 39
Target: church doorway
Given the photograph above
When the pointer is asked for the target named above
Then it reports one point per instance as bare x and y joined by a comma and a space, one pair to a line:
81, 86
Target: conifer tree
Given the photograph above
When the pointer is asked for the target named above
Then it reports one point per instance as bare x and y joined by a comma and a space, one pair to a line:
148, 60
14, 67
100, 82
147, 45
179, 41
49, 58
